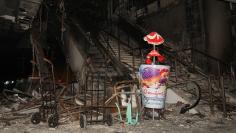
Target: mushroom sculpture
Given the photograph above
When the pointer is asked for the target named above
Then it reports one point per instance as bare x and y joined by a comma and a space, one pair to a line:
155, 39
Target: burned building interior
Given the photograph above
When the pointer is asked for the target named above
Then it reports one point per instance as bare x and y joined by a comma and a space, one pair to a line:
74, 65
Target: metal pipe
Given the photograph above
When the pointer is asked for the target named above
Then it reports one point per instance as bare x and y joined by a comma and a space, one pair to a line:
211, 95
223, 95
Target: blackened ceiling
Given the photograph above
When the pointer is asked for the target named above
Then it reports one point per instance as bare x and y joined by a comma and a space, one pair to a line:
91, 14
15, 46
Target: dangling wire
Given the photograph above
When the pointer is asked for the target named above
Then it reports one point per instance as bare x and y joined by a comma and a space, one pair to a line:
62, 11
36, 60
33, 65
40, 19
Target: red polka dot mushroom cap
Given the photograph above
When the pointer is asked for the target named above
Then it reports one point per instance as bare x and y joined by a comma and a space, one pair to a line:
154, 38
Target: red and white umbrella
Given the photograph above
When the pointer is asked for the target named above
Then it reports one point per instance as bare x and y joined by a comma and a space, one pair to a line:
154, 38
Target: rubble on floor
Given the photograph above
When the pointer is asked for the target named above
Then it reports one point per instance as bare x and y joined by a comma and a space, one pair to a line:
16, 117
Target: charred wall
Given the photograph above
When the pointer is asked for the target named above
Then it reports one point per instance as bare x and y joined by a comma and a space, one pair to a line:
169, 22
218, 30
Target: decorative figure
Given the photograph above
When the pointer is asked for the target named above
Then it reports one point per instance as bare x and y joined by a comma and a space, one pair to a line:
155, 39
153, 77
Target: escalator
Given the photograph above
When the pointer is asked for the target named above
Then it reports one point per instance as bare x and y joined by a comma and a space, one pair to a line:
199, 27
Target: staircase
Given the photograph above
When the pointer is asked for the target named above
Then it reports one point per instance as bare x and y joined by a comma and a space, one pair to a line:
122, 52
100, 62
211, 95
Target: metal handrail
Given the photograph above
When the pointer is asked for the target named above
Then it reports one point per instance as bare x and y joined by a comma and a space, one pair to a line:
130, 49
108, 45
117, 65
192, 49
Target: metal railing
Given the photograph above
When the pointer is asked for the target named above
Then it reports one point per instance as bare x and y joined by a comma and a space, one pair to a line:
128, 49
217, 92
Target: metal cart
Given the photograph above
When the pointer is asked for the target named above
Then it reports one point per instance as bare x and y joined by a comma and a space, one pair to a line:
91, 98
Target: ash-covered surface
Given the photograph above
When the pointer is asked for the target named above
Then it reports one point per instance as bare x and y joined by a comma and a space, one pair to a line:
16, 112
19, 122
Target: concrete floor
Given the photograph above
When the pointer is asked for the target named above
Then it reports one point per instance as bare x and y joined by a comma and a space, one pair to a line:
173, 124
202, 122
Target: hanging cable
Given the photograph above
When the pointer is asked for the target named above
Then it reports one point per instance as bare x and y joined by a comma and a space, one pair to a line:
62, 17
33, 67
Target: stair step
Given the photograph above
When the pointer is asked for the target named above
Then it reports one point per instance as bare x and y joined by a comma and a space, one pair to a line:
131, 61
98, 59
130, 57
121, 52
